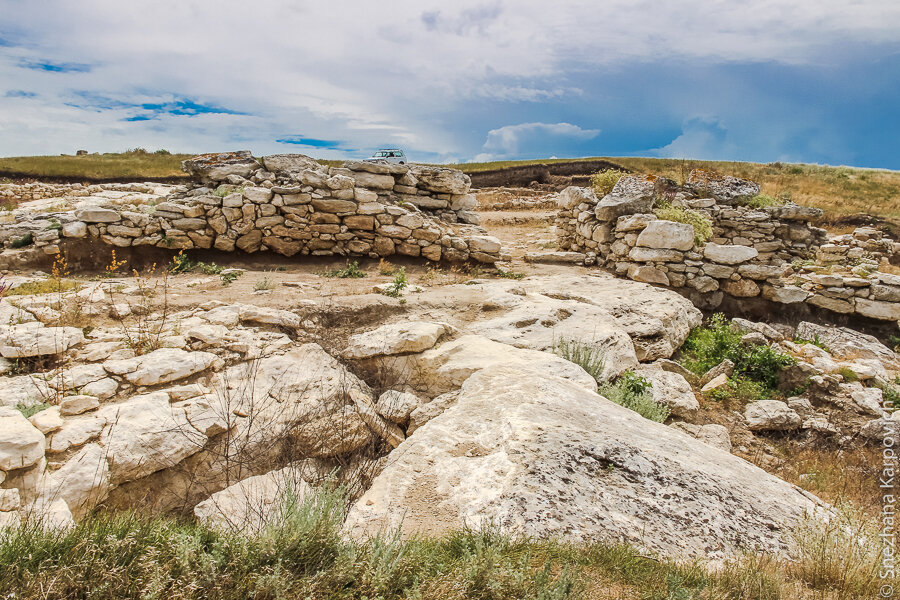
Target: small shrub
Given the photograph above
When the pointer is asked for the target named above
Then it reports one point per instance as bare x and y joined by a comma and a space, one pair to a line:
264, 283
762, 201
848, 374
114, 265
163, 152
386, 268
229, 278
633, 392
30, 411
351, 271
795, 170
741, 389
894, 342
25, 240
182, 263
701, 223
604, 181
707, 346
503, 274
584, 354
815, 342
395, 290
890, 393
209, 268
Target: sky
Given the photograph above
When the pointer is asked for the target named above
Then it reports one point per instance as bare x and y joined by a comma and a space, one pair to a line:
815, 81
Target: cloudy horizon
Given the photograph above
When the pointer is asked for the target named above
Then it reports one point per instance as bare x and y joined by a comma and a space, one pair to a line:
471, 80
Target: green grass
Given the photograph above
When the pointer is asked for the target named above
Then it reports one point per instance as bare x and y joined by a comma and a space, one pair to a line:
44, 286
350, 271
304, 554
400, 283
709, 345
633, 391
762, 201
30, 411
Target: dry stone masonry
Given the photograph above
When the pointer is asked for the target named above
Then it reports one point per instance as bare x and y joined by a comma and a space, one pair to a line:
288, 204
767, 252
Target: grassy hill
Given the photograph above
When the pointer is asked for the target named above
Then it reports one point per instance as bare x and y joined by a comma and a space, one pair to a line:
838, 190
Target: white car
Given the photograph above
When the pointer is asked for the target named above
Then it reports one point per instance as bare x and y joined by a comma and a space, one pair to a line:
391, 155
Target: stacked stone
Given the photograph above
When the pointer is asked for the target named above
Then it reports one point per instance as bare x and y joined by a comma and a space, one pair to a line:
290, 204
24, 192
750, 254
866, 245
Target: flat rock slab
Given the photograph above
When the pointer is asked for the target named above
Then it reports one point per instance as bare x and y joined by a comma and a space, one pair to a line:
162, 366
552, 258
537, 455
31, 339
396, 338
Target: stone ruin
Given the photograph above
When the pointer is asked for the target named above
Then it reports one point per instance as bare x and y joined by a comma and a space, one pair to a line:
286, 203
772, 252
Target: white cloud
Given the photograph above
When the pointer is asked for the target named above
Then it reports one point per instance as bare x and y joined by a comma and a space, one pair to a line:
532, 139
368, 73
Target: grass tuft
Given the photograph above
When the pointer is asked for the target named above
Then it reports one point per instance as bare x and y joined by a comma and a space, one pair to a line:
701, 223
350, 271
604, 181
633, 391
584, 354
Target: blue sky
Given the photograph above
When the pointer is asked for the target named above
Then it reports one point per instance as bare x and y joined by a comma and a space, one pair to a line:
760, 80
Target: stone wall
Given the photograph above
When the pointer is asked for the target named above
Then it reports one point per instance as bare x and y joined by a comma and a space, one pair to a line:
288, 204
765, 252
24, 192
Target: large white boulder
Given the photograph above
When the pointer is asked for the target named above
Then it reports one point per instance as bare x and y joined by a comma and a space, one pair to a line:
251, 504
537, 455
847, 344
771, 415
396, 338
21, 444
83, 481
667, 234
441, 180
626, 320
24, 390
631, 194
145, 435
448, 366
670, 389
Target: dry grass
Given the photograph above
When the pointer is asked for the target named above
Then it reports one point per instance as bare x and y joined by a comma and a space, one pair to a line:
836, 476
127, 165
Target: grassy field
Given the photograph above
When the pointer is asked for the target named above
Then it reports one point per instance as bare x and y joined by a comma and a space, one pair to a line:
303, 554
125, 165
838, 190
